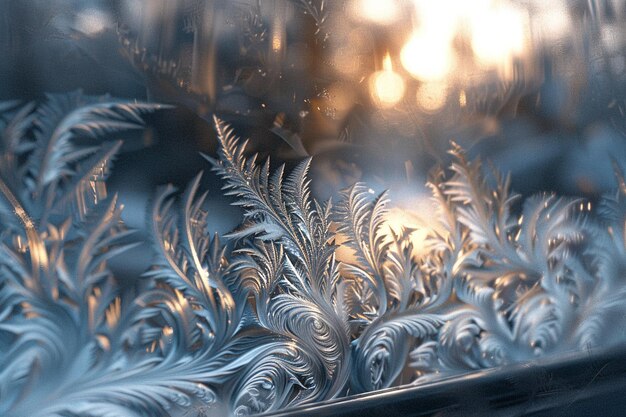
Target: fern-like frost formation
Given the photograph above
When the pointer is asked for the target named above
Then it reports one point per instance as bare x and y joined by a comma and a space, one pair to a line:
267, 317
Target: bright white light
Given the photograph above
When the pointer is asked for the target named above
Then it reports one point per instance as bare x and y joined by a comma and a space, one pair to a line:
446, 17
382, 12
437, 18
413, 216
387, 87
498, 35
428, 58
470, 7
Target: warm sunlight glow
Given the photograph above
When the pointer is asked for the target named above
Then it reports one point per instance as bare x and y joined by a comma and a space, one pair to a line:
400, 220
387, 87
497, 31
498, 35
387, 64
382, 12
438, 18
427, 58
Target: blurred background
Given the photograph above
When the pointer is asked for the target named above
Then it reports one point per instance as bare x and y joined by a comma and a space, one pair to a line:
373, 90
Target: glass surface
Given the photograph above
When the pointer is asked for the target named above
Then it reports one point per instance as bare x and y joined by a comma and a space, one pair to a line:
452, 199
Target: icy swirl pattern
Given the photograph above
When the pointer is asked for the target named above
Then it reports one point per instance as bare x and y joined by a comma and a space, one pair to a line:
270, 316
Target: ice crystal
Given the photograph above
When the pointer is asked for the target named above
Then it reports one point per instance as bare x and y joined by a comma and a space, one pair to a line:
270, 319
71, 341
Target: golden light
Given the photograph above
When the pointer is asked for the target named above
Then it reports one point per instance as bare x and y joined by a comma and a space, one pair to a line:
462, 99
278, 28
382, 12
427, 56
498, 35
387, 87
277, 42
431, 97
399, 218
387, 63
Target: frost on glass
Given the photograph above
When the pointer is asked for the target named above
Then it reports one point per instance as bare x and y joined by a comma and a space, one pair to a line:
267, 317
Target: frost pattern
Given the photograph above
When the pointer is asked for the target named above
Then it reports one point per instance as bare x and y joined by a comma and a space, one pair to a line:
266, 318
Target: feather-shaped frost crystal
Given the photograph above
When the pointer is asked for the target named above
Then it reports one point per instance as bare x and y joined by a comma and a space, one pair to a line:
266, 317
